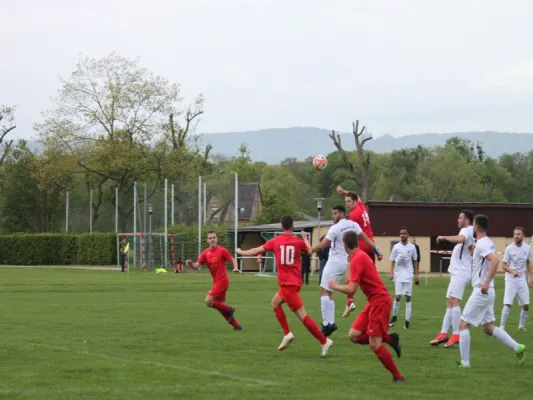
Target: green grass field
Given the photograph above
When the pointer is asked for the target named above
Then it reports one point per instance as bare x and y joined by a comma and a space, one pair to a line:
77, 334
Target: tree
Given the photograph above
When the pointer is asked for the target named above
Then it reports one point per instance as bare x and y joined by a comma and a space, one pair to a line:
110, 114
361, 178
7, 118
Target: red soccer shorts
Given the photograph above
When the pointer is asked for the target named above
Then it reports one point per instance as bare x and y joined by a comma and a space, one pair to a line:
363, 246
374, 318
219, 289
291, 296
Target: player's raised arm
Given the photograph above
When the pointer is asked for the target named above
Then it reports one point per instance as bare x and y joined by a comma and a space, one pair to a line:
451, 239
252, 252
344, 192
305, 239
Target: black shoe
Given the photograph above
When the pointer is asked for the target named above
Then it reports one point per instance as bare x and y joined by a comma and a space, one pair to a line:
230, 315
406, 325
237, 328
398, 380
328, 329
393, 321
395, 339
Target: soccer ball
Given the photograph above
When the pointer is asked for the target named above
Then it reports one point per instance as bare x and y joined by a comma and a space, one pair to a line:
320, 162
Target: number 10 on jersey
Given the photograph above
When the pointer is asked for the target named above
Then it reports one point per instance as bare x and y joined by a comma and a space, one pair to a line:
287, 255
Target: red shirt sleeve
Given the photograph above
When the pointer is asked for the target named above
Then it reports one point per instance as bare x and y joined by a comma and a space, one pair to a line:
269, 246
356, 269
226, 254
201, 259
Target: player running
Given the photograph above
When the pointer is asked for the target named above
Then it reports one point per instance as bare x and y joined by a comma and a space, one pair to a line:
215, 257
516, 263
460, 275
337, 263
479, 309
359, 215
288, 251
404, 267
372, 324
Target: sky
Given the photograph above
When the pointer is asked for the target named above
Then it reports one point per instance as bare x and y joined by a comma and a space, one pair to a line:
401, 67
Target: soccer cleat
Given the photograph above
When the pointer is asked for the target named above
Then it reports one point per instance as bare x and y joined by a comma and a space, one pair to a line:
230, 315
393, 321
406, 325
287, 339
521, 354
454, 339
328, 329
326, 346
348, 310
237, 328
395, 344
522, 328
440, 338
398, 379
461, 365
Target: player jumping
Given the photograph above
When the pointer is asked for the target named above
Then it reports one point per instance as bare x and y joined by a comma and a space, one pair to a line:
460, 275
359, 215
337, 263
479, 309
288, 251
517, 266
372, 324
215, 257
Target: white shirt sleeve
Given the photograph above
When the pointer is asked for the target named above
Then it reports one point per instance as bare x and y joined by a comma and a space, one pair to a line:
465, 232
393, 254
486, 248
331, 233
507, 255
356, 228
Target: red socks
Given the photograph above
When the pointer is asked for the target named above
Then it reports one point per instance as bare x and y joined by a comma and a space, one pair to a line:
313, 329
386, 359
221, 306
282, 319
349, 297
233, 323
387, 339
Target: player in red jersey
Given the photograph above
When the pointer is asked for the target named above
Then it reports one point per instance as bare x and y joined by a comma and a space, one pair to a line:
372, 325
288, 251
216, 257
358, 214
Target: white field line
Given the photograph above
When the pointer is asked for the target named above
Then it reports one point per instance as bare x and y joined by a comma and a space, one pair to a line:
219, 374
43, 391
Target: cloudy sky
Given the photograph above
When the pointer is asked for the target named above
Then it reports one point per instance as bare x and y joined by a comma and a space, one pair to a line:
409, 66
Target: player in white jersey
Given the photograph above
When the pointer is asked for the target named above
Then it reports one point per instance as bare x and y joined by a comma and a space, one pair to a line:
402, 271
337, 262
479, 309
460, 274
517, 266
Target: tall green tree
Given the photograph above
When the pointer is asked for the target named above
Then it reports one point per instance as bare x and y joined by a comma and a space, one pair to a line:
7, 124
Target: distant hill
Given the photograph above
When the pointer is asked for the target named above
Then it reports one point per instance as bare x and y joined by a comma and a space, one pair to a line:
274, 145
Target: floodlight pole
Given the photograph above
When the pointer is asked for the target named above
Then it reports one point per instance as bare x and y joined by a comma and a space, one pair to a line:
319, 210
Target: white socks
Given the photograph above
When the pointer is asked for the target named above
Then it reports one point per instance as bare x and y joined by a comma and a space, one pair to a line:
505, 314
503, 337
395, 308
447, 321
464, 347
456, 319
523, 318
327, 307
408, 311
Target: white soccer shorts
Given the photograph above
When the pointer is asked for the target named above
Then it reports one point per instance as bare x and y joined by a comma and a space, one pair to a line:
516, 288
403, 288
479, 309
457, 287
332, 271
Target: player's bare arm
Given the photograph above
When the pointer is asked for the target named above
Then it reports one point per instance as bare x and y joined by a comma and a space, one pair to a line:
506, 268
252, 252
324, 243
391, 275
193, 265
372, 245
344, 192
235, 265
451, 239
305, 238
417, 268
529, 272
349, 288
491, 273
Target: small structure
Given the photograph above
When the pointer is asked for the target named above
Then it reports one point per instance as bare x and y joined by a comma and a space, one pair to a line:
250, 203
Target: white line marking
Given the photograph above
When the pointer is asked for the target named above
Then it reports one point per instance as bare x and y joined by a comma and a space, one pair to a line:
254, 381
91, 390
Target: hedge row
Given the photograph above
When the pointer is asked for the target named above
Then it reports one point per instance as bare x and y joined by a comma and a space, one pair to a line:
58, 249
89, 249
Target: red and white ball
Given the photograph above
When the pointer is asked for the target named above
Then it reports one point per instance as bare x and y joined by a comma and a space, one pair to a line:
320, 162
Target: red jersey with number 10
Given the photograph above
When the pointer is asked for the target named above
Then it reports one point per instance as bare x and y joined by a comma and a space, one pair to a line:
360, 215
216, 262
288, 251
364, 272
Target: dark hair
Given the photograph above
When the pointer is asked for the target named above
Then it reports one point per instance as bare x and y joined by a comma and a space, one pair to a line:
519, 228
404, 228
482, 221
353, 196
211, 233
287, 222
350, 239
341, 209
469, 215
